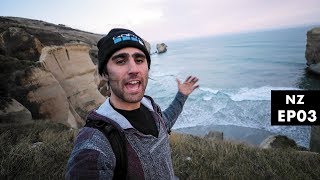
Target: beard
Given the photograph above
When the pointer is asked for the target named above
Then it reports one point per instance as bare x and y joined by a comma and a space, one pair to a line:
118, 88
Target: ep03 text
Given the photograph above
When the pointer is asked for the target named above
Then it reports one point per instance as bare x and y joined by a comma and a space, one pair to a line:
295, 107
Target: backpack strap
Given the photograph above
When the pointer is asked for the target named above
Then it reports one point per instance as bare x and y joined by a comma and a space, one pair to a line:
118, 144
157, 109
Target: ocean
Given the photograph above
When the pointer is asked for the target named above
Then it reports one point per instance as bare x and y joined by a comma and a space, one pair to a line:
237, 73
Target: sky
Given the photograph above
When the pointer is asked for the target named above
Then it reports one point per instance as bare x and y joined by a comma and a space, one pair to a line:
163, 20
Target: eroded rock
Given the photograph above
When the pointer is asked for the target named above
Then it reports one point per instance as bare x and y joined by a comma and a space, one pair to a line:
14, 112
278, 141
315, 139
312, 53
161, 48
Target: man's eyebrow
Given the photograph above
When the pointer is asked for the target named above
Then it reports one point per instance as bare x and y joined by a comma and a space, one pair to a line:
121, 55
138, 54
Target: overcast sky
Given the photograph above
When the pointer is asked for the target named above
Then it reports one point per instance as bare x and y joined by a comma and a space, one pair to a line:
159, 20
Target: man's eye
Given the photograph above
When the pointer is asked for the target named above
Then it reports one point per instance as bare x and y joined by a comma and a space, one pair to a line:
139, 60
120, 61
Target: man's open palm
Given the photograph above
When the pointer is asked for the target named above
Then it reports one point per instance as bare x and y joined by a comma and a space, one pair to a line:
188, 85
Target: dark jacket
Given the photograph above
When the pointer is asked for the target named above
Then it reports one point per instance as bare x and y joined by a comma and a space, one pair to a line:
149, 157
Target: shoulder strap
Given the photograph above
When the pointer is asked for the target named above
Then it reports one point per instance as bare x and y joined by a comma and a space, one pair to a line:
118, 144
155, 106
157, 109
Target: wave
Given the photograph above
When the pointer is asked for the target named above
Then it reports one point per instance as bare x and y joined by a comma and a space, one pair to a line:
261, 93
163, 74
209, 90
241, 94
247, 107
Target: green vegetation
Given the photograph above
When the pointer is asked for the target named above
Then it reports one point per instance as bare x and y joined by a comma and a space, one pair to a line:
22, 156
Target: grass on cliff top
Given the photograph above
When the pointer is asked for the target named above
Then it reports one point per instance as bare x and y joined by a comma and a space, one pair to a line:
34, 151
197, 158
23, 157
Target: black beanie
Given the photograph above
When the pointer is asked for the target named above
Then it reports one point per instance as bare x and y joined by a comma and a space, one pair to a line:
115, 40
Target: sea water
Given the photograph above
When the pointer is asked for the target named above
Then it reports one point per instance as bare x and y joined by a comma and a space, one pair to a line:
237, 73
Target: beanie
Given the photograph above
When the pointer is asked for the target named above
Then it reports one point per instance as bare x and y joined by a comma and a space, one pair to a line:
115, 40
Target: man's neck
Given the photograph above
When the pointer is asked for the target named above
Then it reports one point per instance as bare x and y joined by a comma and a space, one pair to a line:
120, 104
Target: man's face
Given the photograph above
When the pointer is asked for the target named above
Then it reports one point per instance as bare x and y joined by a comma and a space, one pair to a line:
127, 70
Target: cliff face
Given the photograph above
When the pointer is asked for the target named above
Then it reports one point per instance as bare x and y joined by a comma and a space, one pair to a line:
49, 69
312, 55
51, 78
63, 85
72, 67
312, 52
21, 43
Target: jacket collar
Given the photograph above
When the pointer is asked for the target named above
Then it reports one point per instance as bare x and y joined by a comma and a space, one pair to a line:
107, 110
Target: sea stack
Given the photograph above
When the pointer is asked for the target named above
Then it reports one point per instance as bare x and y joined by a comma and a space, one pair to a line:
161, 48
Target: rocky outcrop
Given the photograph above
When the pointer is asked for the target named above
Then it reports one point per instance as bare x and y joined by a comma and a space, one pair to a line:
312, 53
62, 88
22, 40
278, 141
53, 88
49, 69
72, 67
14, 112
161, 48
315, 139
46, 98
214, 135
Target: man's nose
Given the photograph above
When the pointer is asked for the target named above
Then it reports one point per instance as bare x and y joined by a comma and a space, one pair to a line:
133, 67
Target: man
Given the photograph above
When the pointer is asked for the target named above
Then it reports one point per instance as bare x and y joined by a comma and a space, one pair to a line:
125, 63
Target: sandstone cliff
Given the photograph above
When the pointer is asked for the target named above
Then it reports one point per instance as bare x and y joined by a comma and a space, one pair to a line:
53, 87
312, 52
67, 91
21, 43
49, 69
312, 55
61, 87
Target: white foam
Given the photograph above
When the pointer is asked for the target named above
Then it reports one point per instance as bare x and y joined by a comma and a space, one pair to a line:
207, 98
163, 74
261, 93
209, 90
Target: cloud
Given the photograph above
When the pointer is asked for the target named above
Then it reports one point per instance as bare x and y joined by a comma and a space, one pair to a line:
159, 20
182, 19
127, 14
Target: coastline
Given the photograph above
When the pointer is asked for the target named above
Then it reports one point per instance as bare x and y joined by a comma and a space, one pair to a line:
251, 136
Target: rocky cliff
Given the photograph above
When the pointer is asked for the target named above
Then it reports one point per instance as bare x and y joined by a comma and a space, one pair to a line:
312, 52
46, 74
64, 88
312, 55
49, 69
22, 40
